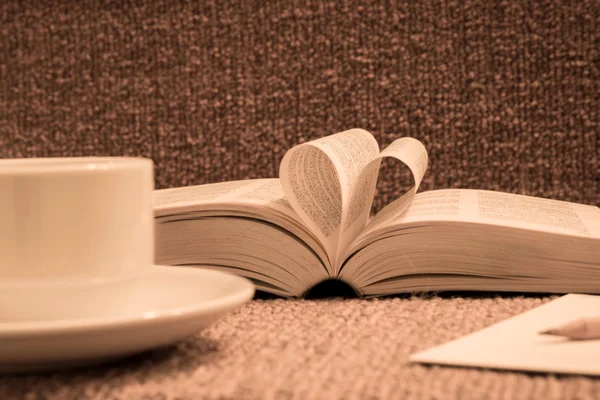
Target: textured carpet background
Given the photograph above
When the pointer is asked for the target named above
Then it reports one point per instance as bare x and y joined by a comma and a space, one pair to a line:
339, 349
504, 94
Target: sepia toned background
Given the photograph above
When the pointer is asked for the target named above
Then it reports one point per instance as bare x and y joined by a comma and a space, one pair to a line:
504, 94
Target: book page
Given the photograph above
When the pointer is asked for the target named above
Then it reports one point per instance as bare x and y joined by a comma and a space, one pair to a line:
525, 211
349, 151
268, 192
506, 209
317, 177
413, 154
213, 192
515, 344
259, 192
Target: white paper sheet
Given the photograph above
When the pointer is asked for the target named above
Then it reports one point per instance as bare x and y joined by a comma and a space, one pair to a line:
515, 344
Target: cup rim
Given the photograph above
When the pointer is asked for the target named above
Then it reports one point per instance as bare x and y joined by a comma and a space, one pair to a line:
52, 165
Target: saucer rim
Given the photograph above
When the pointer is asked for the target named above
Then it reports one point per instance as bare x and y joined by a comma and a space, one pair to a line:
74, 325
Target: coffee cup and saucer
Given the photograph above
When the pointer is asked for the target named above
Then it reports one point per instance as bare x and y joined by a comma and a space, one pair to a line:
78, 284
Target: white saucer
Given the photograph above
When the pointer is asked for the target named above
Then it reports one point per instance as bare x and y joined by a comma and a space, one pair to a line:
163, 306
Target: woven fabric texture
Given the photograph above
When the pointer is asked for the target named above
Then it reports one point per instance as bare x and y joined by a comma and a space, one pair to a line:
505, 95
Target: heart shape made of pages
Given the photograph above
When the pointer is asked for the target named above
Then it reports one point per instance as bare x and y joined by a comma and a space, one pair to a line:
330, 182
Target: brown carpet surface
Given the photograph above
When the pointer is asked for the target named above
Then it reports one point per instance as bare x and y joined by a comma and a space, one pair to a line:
336, 349
504, 94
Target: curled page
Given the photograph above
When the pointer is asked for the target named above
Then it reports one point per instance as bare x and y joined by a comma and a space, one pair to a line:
413, 154
359, 207
317, 178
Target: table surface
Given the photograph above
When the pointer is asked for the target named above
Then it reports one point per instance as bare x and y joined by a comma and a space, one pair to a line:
315, 349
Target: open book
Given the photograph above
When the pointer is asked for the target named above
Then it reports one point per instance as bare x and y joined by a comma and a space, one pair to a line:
314, 223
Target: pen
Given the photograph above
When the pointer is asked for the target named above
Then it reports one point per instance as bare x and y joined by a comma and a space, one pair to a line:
581, 329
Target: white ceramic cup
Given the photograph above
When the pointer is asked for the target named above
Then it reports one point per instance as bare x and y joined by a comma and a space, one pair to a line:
74, 221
